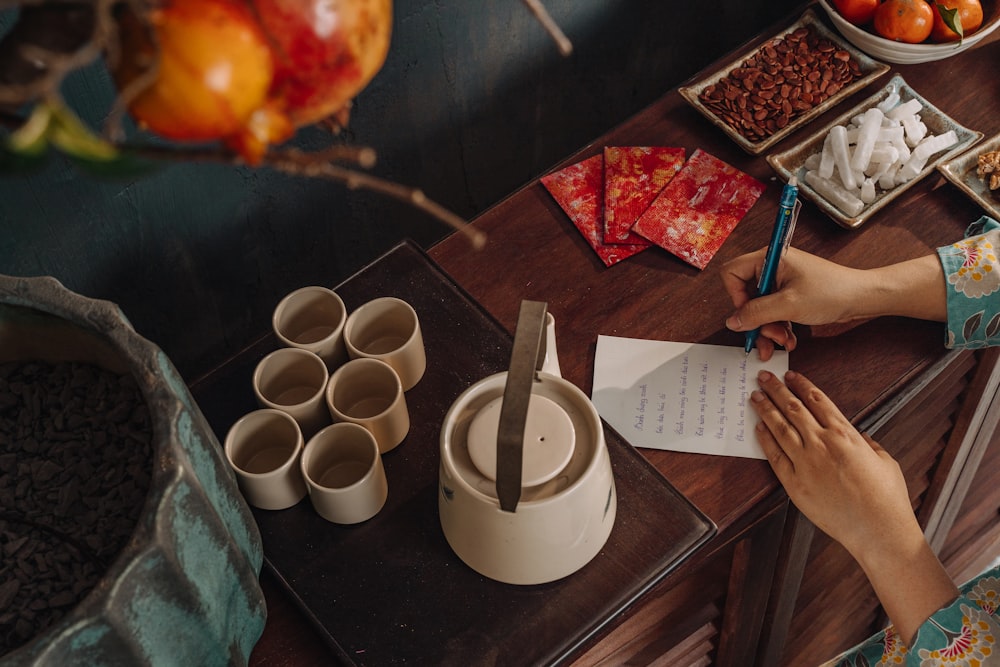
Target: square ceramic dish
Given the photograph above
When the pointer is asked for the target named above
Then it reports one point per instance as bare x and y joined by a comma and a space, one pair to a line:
791, 162
961, 170
869, 71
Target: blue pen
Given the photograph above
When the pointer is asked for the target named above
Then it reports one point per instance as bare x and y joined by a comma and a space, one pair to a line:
784, 225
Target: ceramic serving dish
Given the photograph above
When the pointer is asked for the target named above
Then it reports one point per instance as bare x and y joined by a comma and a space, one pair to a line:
184, 589
868, 69
910, 54
961, 170
792, 161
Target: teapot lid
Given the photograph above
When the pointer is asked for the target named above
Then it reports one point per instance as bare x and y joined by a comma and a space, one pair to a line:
549, 440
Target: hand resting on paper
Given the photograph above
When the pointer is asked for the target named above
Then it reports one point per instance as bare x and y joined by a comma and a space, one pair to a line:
854, 491
812, 290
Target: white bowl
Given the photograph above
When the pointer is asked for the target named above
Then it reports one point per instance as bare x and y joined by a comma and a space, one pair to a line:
908, 54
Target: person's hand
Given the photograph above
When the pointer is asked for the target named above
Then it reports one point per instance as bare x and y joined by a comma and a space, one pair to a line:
812, 290
847, 484
808, 290
854, 491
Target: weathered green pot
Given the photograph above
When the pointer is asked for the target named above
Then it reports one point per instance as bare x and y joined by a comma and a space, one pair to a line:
185, 590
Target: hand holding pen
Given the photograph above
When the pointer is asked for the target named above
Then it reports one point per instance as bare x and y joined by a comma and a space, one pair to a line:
784, 226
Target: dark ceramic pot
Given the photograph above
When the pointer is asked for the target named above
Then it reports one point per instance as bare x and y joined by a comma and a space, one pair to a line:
185, 589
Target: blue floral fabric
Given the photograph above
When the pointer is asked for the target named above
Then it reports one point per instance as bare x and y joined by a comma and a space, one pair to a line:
972, 273
966, 633
963, 634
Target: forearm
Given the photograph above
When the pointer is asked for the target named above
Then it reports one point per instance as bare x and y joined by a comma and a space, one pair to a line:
909, 581
914, 288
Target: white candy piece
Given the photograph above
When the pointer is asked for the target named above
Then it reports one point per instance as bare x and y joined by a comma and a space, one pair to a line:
838, 144
871, 123
889, 102
908, 108
835, 194
915, 130
887, 181
891, 133
826, 159
935, 144
868, 191
882, 168
882, 154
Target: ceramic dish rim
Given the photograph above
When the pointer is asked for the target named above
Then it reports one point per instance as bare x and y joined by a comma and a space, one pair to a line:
990, 204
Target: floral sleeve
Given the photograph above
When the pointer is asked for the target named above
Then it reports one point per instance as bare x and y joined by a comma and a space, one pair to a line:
966, 632
972, 273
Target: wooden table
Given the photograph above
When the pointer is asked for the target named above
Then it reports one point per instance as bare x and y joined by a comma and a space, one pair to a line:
534, 252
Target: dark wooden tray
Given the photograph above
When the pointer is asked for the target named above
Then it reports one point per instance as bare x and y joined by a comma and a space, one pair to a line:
390, 590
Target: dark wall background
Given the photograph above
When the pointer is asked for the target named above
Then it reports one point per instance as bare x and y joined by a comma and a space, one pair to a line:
473, 101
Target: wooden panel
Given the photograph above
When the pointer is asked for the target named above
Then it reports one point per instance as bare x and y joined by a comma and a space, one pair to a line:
973, 542
678, 621
974, 432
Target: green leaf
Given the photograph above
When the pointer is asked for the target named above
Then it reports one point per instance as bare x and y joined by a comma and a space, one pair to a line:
952, 20
68, 133
51, 123
31, 139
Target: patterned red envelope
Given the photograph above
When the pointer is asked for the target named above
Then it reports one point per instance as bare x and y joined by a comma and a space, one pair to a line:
579, 190
633, 176
699, 208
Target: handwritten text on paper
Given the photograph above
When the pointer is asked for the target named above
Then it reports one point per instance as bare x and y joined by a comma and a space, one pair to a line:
685, 397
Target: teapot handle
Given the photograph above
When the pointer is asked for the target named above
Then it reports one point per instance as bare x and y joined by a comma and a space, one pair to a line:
526, 358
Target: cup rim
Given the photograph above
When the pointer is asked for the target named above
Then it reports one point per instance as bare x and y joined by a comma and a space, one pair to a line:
283, 304
261, 413
308, 452
384, 367
289, 351
352, 320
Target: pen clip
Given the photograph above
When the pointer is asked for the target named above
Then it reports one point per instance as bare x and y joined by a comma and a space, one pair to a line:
791, 225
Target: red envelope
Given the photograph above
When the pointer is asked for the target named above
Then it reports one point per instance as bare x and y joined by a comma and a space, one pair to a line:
699, 208
579, 190
633, 176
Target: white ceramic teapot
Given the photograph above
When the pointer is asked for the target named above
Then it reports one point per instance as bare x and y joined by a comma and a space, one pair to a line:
527, 494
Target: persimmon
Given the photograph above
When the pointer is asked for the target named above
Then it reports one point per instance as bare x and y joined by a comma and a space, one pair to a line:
858, 12
967, 14
907, 21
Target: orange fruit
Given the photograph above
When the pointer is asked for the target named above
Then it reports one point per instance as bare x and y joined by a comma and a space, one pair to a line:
215, 68
858, 12
907, 21
968, 15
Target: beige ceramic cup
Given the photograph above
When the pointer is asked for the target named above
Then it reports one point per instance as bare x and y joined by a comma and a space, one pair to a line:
369, 393
293, 380
343, 470
387, 328
313, 318
263, 447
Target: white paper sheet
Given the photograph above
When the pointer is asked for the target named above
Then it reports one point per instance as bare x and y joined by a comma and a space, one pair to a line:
685, 397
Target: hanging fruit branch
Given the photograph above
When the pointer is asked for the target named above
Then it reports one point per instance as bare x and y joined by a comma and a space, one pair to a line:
241, 76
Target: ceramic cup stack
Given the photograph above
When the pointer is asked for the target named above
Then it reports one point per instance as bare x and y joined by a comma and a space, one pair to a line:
331, 403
